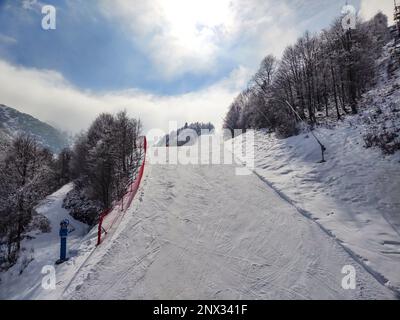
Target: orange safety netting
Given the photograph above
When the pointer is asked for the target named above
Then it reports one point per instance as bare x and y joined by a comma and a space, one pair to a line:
109, 216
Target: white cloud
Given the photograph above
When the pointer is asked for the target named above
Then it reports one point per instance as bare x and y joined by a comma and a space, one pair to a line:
48, 96
371, 7
7, 40
28, 4
33, 5
183, 36
179, 36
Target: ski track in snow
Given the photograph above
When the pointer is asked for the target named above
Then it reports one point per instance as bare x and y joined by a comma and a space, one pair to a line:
352, 197
201, 232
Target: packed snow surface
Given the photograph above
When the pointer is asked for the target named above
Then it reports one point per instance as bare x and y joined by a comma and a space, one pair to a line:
354, 196
203, 232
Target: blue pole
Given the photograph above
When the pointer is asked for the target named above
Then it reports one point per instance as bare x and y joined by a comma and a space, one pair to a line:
63, 249
63, 244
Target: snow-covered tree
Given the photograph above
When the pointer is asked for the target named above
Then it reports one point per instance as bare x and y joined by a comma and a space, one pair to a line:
103, 161
27, 175
320, 76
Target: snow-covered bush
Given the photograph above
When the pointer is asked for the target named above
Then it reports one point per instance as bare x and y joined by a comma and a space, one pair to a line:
80, 207
387, 141
41, 223
287, 129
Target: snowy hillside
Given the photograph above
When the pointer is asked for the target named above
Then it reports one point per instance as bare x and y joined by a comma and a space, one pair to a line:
353, 196
13, 122
283, 232
204, 232
380, 106
23, 280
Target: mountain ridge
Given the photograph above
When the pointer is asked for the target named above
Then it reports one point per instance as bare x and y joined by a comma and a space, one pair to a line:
14, 122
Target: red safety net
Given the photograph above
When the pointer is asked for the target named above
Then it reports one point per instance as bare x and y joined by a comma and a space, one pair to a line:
110, 216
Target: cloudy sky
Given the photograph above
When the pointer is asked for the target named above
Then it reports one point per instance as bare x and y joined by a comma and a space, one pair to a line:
161, 60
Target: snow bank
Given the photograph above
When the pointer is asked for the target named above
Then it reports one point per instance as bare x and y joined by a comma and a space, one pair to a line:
354, 195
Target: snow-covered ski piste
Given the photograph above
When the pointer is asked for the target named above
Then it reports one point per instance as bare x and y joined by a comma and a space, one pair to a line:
204, 232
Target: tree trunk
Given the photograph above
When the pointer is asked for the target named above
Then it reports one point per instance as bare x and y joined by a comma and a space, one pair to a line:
335, 93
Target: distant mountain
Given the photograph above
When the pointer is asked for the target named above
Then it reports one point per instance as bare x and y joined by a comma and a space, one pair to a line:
13, 122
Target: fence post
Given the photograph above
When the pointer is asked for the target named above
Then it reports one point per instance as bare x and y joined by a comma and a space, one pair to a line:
99, 230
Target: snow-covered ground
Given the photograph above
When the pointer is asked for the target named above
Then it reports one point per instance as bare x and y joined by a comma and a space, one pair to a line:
354, 196
202, 232
43, 250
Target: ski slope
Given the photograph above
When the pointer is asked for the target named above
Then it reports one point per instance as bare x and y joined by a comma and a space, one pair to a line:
23, 281
354, 196
202, 232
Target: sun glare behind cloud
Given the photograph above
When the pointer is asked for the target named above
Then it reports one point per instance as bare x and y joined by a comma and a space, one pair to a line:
197, 27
